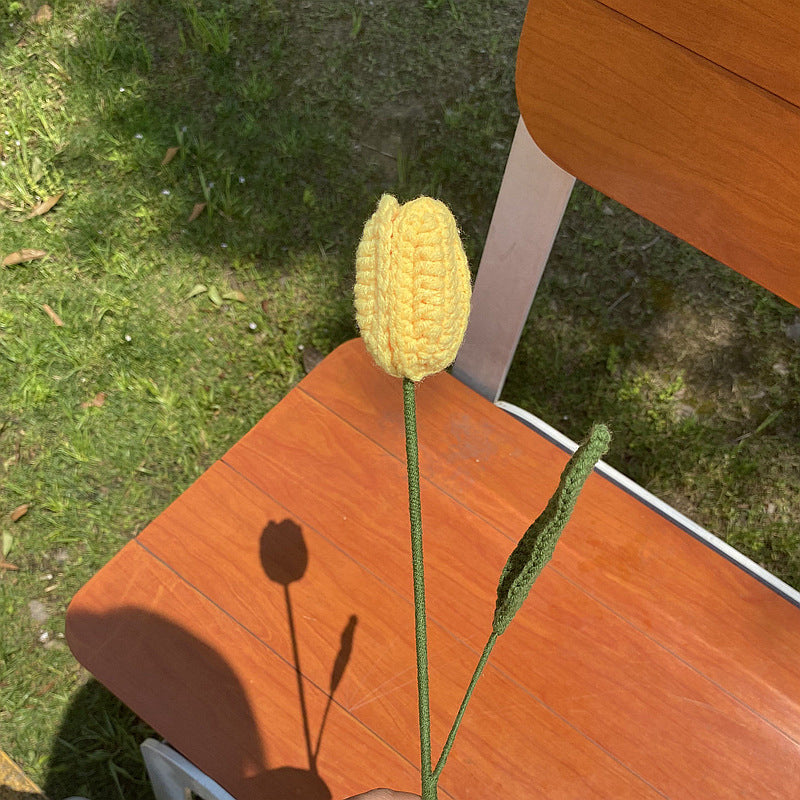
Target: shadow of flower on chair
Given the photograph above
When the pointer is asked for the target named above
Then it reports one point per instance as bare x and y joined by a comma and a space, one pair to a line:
217, 721
284, 556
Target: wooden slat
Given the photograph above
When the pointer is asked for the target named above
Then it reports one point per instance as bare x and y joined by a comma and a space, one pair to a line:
626, 683
571, 651
674, 137
758, 41
667, 584
223, 516
217, 693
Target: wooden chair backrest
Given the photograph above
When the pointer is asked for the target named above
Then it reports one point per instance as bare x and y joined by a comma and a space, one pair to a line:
688, 113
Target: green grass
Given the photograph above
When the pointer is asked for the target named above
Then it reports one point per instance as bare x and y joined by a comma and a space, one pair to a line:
290, 120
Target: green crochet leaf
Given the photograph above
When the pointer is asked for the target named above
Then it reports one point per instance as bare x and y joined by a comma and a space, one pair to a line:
536, 547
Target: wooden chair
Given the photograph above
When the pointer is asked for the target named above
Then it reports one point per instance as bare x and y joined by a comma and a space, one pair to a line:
263, 623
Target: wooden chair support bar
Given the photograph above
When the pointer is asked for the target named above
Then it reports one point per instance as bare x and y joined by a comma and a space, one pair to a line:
530, 205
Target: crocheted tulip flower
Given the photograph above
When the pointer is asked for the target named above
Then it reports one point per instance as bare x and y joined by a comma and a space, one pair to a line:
412, 298
412, 291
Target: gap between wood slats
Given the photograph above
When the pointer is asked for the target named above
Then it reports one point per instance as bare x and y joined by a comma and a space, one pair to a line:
661, 603
256, 465
757, 44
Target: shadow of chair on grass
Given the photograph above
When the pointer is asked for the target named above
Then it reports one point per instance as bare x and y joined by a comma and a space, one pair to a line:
96, 752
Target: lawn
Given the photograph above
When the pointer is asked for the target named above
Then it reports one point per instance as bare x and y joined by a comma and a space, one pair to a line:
189, 179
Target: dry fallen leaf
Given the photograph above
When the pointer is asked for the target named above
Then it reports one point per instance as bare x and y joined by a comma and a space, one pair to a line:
197, 289
169, 155
6, 565
26, 254
53, 316
44, 14
45, 688
235, 294
19, 512
45, 206
265, 306
196, 211
96, 401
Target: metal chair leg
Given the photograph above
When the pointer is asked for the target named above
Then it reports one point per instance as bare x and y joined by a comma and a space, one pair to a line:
175, 778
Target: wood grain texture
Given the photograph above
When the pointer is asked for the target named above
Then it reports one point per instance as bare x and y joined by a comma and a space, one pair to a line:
759, 41
224, 517
665, 583
673, 136
643, 665
214, 690
581, 654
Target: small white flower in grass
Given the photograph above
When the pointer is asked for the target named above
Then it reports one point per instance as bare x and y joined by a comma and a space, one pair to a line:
7, 133
139, 136
127, 337
252, 326
241, 179
184, 129
122, 88
224, 244
44, 636
210, 338
211, 184
17, 142
301, 347
165, 192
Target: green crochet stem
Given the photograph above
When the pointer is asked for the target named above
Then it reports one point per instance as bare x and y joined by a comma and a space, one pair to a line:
420, 630
448, 745
523, 567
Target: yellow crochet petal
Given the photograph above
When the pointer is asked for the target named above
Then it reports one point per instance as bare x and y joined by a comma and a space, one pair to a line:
412, 289
372, 262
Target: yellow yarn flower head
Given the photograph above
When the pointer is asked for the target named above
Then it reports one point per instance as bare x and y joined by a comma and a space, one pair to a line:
412, 290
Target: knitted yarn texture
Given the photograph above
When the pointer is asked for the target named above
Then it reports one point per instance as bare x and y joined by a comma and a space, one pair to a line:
412, 291
536, 547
